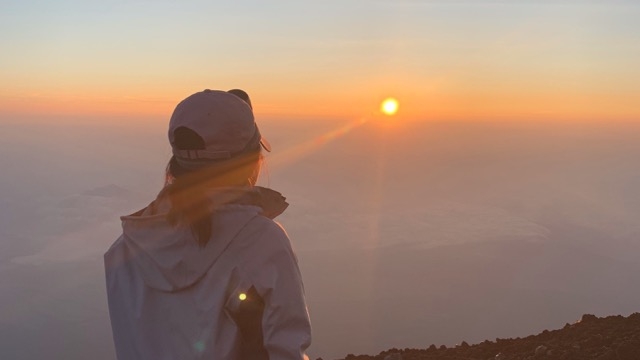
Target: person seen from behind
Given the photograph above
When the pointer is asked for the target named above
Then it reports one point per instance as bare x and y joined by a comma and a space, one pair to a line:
203, 272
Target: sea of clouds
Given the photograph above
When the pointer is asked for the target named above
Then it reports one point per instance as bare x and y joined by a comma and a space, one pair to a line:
407, 234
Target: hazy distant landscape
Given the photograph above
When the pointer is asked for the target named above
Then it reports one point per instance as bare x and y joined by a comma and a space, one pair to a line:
407, 234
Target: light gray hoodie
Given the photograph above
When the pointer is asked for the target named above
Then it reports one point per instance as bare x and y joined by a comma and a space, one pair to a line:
239, 296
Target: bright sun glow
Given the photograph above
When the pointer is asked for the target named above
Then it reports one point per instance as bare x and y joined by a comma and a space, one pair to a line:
389, 106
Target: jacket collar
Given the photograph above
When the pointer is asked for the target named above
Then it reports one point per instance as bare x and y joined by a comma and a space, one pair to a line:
271, 202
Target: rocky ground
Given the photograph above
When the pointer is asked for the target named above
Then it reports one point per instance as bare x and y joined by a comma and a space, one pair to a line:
608, 338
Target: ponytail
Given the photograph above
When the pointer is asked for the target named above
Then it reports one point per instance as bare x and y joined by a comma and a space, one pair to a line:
188, 191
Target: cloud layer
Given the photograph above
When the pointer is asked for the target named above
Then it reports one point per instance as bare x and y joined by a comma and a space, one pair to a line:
407, 235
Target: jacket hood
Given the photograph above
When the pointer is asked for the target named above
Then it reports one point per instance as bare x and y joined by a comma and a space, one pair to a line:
169, 258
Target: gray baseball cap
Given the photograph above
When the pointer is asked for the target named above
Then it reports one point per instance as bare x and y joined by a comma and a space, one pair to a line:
223, 119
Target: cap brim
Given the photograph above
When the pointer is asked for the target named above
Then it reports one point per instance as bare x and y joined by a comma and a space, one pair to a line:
265, 144
245, 97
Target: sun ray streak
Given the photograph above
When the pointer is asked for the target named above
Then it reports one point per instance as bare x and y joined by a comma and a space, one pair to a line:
299, 151
371, 259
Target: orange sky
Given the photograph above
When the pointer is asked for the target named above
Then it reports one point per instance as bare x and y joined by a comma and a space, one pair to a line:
422, 104
482, 61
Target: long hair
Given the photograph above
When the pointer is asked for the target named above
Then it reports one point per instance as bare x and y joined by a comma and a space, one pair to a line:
188, 191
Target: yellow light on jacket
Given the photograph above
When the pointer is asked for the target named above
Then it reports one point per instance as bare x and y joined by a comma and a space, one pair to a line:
242, 296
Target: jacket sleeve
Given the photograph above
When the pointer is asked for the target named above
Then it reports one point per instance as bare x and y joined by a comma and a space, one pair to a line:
285, 322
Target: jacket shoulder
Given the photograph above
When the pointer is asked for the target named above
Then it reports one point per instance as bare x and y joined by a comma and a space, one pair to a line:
271, 226
275, 228
268, 235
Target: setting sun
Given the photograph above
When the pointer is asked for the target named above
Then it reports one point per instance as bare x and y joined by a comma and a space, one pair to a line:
389, 106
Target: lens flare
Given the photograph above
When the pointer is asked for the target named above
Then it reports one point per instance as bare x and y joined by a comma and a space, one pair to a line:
389, 106
312, 145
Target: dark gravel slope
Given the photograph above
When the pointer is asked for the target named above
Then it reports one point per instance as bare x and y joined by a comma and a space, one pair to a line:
608, 338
